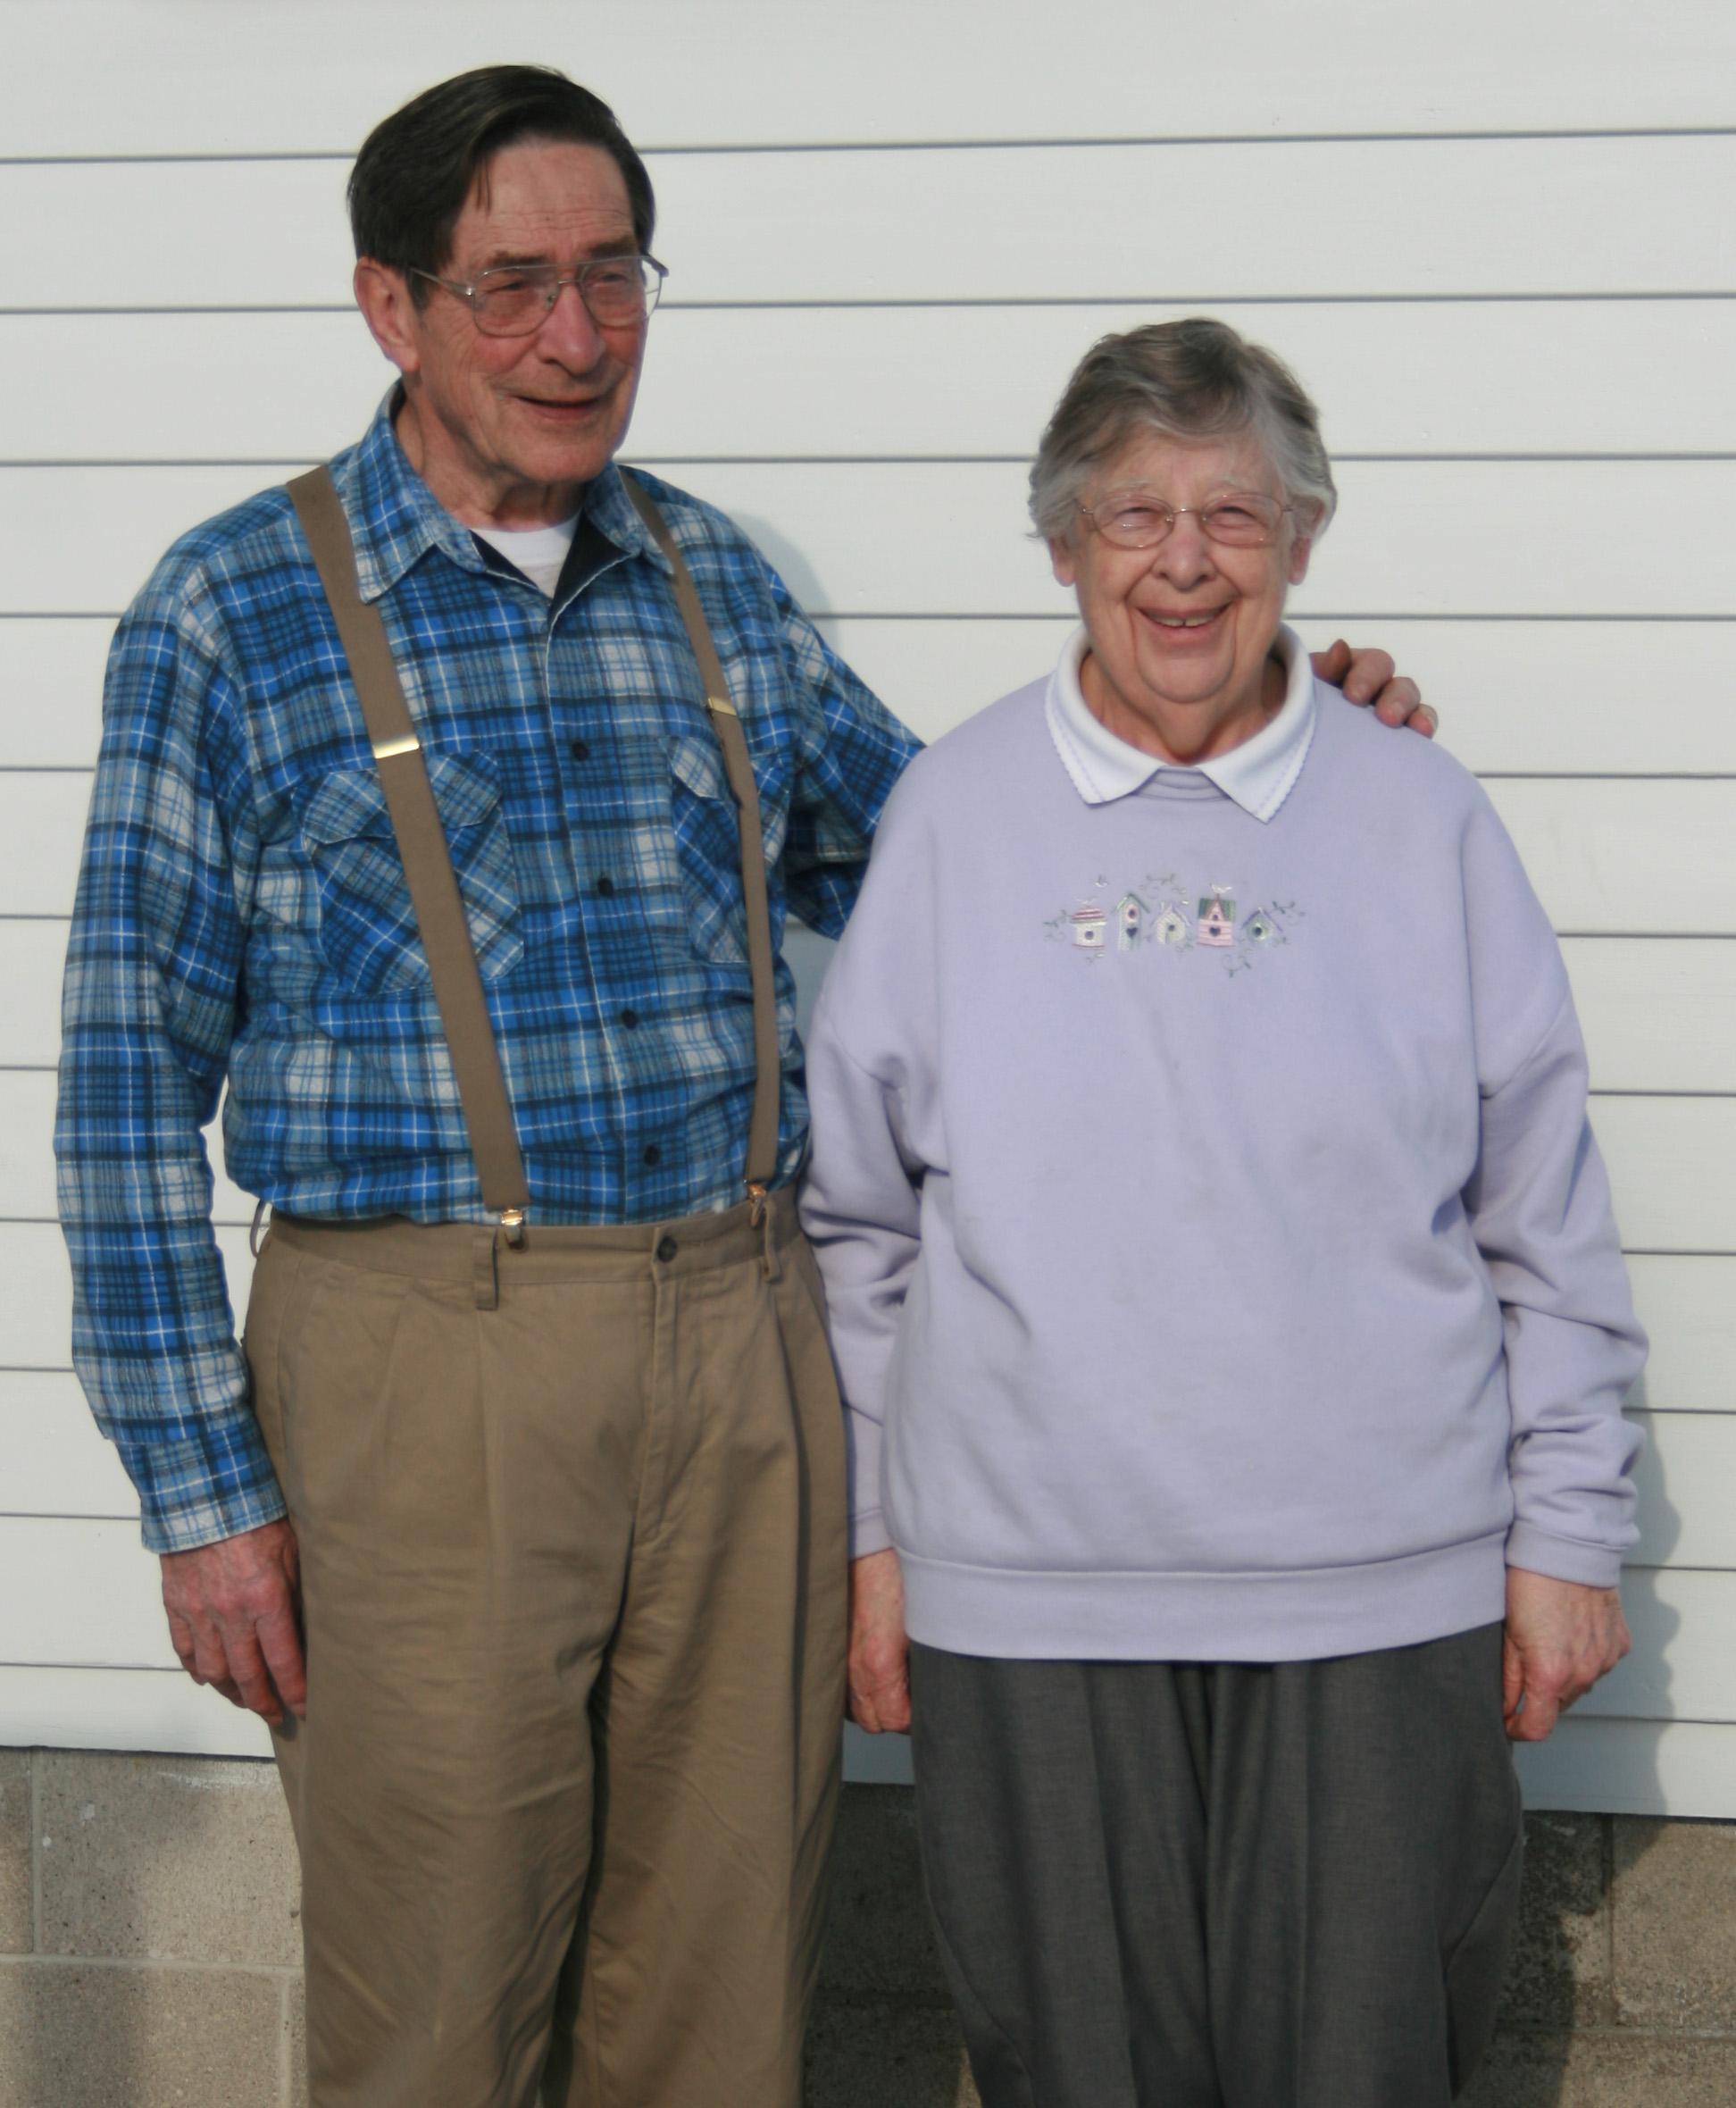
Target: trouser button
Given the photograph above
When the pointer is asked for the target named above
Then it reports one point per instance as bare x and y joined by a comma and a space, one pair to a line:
666, 1248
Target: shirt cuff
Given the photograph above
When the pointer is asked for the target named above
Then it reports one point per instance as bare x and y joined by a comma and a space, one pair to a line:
212, 1485
1562, 1559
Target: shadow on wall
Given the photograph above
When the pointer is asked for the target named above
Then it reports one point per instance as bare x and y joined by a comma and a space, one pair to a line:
1562, 1975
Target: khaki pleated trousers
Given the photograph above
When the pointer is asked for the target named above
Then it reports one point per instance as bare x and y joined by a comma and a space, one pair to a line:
570, 1520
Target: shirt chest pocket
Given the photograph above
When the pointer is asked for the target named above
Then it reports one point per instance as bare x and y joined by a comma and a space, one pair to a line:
367, 922
708, 844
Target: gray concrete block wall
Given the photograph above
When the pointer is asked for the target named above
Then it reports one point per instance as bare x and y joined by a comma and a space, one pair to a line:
149, 1934
148, 1939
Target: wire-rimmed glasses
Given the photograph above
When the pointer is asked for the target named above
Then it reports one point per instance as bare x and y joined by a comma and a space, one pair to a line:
514, 299
1138, 519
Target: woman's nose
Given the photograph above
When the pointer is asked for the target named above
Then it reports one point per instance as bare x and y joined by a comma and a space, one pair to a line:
1184, 555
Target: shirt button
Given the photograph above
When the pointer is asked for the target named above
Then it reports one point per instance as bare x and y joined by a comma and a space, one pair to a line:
653, 1154
630, 1018
666, 1248
581, 750
606, 886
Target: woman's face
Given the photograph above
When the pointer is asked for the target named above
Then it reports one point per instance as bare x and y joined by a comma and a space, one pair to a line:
1180, 634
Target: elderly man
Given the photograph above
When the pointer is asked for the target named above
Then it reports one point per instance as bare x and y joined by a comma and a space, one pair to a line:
441, 818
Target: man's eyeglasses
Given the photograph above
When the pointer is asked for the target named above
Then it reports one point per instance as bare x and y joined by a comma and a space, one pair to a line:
514, 299
1136, 519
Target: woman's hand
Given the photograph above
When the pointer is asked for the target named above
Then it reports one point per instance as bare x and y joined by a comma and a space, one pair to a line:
1370, 677
1561, 1637
879, 1665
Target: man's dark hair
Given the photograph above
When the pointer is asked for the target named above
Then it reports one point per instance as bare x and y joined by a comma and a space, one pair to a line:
417, 167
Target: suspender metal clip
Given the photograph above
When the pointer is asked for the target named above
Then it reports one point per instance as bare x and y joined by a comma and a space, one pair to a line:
757, 1195
512, 1220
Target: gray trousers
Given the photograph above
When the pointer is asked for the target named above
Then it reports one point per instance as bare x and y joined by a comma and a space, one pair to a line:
1221, 1886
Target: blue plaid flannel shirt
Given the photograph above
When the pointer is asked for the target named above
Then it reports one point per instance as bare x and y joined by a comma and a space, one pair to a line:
242, 915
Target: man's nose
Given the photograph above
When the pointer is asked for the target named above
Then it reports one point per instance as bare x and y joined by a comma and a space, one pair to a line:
569, 332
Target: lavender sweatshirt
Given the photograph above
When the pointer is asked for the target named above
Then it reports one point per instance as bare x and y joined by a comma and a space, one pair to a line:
1219, 1263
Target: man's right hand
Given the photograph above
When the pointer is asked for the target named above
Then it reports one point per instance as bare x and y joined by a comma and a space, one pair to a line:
235, 1617
878, 1670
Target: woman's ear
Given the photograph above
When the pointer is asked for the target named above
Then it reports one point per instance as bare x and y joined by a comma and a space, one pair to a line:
1302, 546
1061, 560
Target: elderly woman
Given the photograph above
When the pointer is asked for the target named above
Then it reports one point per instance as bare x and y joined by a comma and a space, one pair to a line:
1228, 1308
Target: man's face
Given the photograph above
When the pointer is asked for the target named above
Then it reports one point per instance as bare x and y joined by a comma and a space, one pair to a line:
506, 429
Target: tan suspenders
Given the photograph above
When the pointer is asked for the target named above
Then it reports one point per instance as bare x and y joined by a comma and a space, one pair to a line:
440, 919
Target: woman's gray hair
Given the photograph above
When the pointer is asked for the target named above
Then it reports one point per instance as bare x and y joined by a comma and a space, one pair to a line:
1193, 380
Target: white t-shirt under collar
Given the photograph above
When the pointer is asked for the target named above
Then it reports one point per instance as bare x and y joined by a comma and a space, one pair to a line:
539, 552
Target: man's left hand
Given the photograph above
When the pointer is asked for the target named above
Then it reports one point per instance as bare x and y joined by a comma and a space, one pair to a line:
1561, 1637
1370, 677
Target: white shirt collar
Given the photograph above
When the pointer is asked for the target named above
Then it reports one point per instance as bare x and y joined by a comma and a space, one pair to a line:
1259, 774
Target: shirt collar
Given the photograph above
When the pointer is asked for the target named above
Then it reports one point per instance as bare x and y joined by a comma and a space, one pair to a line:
1259, 774
396, 519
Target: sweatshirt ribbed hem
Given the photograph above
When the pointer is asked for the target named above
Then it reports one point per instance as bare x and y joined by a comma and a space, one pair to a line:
1305, 1616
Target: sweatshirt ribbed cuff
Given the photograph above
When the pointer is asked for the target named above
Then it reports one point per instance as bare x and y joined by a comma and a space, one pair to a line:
1562, 1559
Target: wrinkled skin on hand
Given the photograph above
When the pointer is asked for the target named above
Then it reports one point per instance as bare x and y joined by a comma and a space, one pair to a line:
878, 1673
1561, 1637
1370, 677
235, 1619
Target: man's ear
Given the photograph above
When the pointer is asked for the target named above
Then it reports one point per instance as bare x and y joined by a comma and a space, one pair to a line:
1061, 560
393, 319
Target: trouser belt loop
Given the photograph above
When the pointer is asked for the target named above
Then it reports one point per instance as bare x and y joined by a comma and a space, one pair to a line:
261, 1228
771, 1259
486, 1249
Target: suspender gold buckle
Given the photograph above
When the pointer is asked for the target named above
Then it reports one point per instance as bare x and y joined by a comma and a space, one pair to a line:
512, 1220
757, 1195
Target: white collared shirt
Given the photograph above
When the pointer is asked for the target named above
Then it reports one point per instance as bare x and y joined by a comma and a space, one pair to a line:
1259, 774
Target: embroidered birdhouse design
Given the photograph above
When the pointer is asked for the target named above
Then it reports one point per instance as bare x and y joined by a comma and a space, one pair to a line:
1170, 927
1090, 926
1259, 927
1215, 923
1131, 915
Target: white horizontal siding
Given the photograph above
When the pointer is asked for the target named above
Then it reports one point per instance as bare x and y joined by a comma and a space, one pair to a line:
1522, 344
1657, 1150
683, 72
1605, 856
1446, 537
1658, 1013
1536, 697
1632, 1767
36, 1295
1523, 377
1686, 1301
1600, 1765
1198, 221
1612, 1767
1682, 1666
147, 1709
52, 1446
